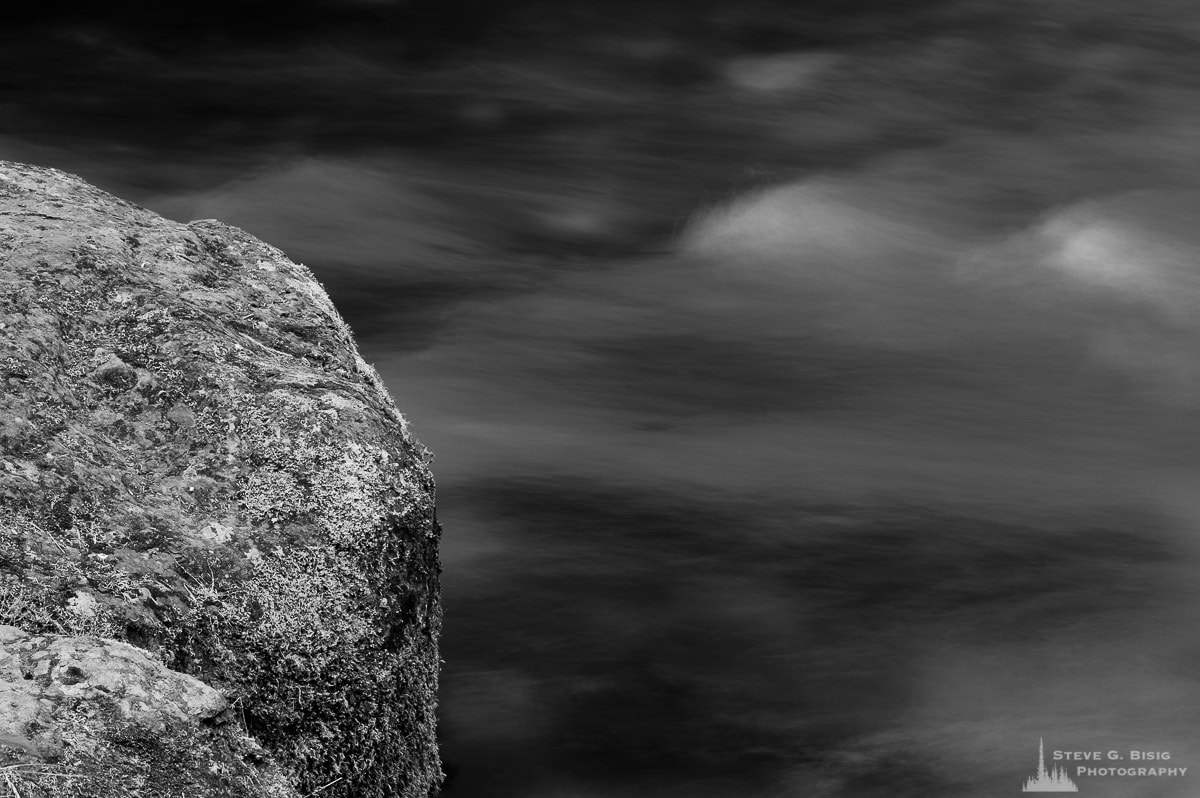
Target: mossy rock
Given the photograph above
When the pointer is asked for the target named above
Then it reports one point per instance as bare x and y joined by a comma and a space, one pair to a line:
195, 460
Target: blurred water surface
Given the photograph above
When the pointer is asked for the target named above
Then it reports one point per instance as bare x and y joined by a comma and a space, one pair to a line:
813, 390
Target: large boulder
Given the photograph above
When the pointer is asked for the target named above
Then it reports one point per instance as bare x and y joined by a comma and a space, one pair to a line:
195, 460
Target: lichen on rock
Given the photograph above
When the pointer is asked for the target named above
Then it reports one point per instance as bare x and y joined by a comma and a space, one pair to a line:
195, 460
86, 716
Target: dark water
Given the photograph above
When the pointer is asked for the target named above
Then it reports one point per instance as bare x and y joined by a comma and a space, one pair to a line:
814, 387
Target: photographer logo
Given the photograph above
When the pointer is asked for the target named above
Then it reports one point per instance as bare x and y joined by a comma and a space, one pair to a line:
1055, 780
1130, 763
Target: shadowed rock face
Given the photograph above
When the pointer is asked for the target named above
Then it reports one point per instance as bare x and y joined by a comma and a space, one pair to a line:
195, 460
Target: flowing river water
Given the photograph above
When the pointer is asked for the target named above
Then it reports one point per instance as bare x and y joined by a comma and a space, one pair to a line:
814, 397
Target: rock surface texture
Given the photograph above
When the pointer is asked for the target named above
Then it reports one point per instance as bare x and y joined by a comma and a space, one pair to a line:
195, 461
